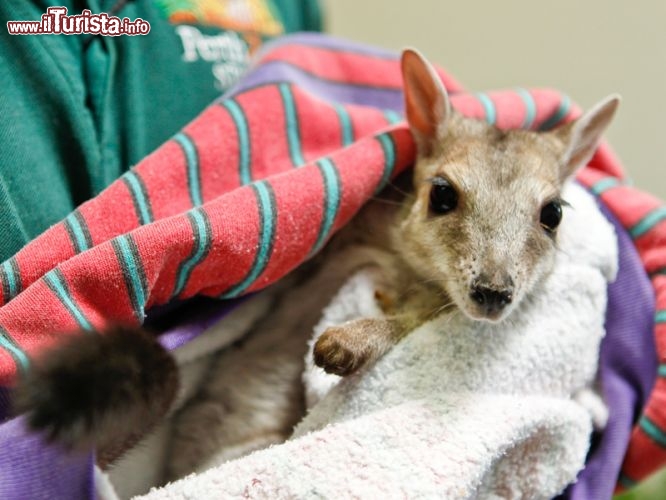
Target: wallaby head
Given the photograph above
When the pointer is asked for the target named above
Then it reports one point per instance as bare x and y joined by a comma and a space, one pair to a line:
487, 203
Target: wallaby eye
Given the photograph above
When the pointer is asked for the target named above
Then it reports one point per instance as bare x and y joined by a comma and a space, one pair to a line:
443, 197
551, 215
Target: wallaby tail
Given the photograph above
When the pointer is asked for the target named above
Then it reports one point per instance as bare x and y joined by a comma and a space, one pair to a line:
103, 390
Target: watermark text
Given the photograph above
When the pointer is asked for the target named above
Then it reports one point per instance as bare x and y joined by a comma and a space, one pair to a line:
56, 21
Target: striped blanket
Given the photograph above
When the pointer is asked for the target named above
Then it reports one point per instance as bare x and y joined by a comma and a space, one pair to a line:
258, 183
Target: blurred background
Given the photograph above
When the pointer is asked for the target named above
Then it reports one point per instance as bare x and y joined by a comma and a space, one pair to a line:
586, 49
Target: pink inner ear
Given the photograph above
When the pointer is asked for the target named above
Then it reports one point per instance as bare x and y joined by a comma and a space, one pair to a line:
424, 101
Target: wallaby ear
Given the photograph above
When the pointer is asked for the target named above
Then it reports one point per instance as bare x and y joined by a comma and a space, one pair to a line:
426, 101
581, 137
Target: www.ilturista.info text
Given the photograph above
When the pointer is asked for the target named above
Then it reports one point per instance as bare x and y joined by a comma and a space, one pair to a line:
56, 21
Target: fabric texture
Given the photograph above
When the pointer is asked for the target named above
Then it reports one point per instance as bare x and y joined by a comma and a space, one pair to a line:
258, 182
627, 368
458, 409
78, 111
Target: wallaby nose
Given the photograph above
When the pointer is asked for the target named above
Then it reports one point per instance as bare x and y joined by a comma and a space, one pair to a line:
490, 299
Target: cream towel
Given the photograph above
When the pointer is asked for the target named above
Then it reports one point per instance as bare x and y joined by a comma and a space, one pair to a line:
459, 409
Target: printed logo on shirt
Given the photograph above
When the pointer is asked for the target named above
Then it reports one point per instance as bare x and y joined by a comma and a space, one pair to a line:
228, 53
253, 16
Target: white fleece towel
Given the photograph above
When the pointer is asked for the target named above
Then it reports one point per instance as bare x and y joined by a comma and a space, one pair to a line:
458, 409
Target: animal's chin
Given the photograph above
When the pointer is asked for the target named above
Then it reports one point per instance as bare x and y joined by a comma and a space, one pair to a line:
488, 317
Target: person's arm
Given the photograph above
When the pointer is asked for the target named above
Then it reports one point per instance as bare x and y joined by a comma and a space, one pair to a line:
78, 111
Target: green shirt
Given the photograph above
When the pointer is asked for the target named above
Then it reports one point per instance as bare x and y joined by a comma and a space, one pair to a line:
76, 111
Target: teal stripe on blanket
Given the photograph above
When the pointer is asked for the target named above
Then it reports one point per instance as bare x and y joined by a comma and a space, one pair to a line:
662, 370
78, 232
201, 231
653, 431
660, 316
648, 222
345, 125
139, 195
192, 160
604, 185
243, 131
11, 279
8, 344
392, 117
530, 107
488, 107
560, 113
267, 222
388, 148
133, 273
292, 125
56, 282
332, 189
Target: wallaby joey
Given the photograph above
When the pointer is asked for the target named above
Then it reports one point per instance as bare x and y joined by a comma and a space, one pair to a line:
478, 230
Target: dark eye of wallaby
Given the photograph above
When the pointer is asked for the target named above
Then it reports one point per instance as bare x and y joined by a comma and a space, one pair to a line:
551, 215
443, 197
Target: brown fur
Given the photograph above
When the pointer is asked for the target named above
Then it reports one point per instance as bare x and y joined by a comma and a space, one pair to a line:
99, 390
492, 241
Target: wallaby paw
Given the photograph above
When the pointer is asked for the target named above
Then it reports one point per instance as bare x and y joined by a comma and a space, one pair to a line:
337, 351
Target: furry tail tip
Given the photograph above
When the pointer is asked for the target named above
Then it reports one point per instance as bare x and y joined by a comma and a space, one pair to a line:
99, 390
